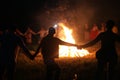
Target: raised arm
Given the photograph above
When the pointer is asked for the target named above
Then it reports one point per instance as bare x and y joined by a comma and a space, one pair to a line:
32, 32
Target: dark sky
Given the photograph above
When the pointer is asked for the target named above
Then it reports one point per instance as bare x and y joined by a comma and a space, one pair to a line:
20, 11
102, 9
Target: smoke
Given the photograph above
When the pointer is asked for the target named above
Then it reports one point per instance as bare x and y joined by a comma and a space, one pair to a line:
76, 12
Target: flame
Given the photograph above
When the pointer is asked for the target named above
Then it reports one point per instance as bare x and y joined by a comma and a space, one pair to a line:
66, 51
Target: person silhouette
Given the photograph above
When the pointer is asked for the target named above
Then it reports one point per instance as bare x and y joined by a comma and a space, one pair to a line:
107, 54
9, 43
50, 50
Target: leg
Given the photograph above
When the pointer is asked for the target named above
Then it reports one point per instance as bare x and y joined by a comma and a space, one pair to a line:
49, 73
2, 71
49, 69
111, 70
10, 71
57, 72
100, 70
53, 70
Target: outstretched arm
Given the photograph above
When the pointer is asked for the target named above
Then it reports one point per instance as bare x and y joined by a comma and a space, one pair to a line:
23, 46
37, 51
67, 43
91, 42
117, 37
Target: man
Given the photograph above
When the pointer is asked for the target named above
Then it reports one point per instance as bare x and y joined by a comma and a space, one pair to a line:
107, 54
8, 48
50, 50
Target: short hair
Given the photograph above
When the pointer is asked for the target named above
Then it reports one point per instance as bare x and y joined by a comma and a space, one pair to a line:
51, 30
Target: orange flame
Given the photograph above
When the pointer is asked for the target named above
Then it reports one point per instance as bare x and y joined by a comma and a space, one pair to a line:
65, 51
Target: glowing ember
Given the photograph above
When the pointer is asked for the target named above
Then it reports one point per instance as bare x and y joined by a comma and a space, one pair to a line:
65, 51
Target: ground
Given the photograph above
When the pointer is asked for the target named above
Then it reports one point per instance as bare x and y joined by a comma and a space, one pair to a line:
84, 67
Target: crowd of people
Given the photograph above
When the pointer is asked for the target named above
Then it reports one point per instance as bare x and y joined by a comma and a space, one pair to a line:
91, 33
28, 35
10, 41
106, 56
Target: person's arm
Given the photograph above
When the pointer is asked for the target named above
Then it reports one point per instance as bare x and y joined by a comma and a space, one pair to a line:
91, 42
37, 51
66, 43
32, 32
23, 46
117, 37
20, 33
38, 32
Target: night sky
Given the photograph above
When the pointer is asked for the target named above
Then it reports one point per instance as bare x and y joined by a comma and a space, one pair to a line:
84, 11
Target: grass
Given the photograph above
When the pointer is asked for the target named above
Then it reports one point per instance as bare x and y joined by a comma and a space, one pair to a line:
85, 68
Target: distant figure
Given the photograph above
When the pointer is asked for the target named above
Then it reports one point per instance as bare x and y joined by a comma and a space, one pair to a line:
50, 50
115, 29
103, 29
9, 44
86, 33
94, 32
106, 55
28, 35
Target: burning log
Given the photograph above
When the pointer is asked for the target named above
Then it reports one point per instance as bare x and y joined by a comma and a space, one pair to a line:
65, 34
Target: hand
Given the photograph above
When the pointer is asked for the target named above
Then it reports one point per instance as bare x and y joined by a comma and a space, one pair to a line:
32, 57
79, 47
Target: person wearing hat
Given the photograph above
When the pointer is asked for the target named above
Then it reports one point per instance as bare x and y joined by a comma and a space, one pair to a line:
50, 50
107, 55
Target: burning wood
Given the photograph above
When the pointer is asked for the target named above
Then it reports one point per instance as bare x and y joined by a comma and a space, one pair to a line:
65, 51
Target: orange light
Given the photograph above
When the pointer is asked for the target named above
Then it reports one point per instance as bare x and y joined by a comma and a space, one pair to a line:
65, 34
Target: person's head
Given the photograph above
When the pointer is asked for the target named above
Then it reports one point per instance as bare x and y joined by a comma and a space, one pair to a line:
51, 31
110, 24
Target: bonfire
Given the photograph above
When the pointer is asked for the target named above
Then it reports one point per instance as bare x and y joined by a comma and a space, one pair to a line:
65, 34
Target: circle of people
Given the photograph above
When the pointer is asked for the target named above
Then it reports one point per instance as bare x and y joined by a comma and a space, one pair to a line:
88, 33
49, 46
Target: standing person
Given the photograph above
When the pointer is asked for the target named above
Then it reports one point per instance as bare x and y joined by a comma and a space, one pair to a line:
50, 50
28, 35
86, 33
106, 55
102, 27
115, 29
8, 48
94, 32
